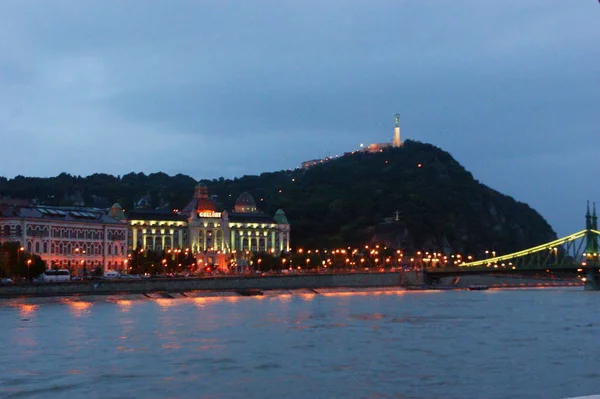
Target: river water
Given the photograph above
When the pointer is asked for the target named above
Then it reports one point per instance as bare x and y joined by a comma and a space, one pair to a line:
542, 343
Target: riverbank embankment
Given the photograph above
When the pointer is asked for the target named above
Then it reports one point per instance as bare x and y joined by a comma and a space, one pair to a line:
255, 285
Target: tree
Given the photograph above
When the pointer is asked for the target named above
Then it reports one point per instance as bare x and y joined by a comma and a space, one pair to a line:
18, 263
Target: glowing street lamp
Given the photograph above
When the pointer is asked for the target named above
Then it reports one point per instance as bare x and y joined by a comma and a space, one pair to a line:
28, 266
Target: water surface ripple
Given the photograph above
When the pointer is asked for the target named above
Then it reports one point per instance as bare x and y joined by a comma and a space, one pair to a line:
461, 344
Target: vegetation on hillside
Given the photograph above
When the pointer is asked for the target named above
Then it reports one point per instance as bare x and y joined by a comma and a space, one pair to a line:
350, 200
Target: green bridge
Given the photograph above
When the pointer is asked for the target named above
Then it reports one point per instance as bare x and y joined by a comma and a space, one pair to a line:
577, 253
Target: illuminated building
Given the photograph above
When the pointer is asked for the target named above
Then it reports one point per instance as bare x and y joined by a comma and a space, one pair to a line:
73, 238
212, 236
253, 230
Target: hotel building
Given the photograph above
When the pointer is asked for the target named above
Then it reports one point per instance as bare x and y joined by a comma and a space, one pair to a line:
212, 236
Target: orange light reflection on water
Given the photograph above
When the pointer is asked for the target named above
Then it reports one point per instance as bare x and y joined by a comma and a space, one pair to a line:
166, 303
203, 301
79, 308
26, 309
307, 297
124, 304
232, 299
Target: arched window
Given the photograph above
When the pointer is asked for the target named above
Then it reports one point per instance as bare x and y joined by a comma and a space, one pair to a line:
37, 247
116, 249
52, 248
45, 248
29, 246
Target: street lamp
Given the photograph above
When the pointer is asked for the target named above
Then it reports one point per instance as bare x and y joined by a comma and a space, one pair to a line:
21, 249
28, 266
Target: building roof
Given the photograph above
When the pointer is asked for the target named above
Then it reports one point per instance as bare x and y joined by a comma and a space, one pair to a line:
145, 214
245, 203
250, 217
280, 217
201, 202
62, 213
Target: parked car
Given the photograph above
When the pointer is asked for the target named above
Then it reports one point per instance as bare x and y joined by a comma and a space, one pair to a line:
5, 281
111, 274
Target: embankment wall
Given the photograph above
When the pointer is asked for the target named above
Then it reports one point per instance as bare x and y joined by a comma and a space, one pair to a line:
109, 287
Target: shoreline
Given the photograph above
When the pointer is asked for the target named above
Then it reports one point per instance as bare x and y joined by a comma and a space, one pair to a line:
300, 291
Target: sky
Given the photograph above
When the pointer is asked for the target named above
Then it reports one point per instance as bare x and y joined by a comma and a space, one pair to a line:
510, 88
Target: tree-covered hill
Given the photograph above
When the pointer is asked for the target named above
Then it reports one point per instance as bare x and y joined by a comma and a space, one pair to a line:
352, 199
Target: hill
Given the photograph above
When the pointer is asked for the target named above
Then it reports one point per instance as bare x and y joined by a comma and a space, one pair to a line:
413, 197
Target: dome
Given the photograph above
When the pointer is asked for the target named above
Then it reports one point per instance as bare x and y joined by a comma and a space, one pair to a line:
280, 217
245, 203
116, 211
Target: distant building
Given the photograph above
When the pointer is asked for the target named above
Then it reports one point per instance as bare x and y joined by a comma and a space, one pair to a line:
74, 238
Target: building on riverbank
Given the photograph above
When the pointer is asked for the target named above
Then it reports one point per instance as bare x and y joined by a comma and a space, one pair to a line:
73, 238
211, 235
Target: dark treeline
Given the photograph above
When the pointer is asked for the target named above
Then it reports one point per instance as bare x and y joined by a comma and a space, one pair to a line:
350, 200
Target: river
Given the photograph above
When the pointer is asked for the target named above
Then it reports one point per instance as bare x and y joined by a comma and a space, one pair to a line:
538, 343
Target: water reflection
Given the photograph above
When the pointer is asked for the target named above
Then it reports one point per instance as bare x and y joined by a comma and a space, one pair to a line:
26, 310
124, 305
202, 302
164, 303
79, 308
384, 344
307, 297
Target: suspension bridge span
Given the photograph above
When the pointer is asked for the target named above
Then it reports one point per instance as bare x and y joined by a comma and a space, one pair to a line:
575, 254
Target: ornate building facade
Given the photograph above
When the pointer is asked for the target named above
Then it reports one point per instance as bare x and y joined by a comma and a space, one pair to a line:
71, 238
211, 235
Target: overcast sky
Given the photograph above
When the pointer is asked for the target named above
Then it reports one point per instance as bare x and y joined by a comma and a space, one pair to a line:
511, 88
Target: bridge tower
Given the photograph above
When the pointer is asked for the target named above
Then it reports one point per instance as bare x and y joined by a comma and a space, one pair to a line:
591, 250
591, 222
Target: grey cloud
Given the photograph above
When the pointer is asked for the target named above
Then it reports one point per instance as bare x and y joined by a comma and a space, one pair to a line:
509, 88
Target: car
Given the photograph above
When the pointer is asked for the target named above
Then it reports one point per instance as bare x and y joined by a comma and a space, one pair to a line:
111, 274
6, 281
